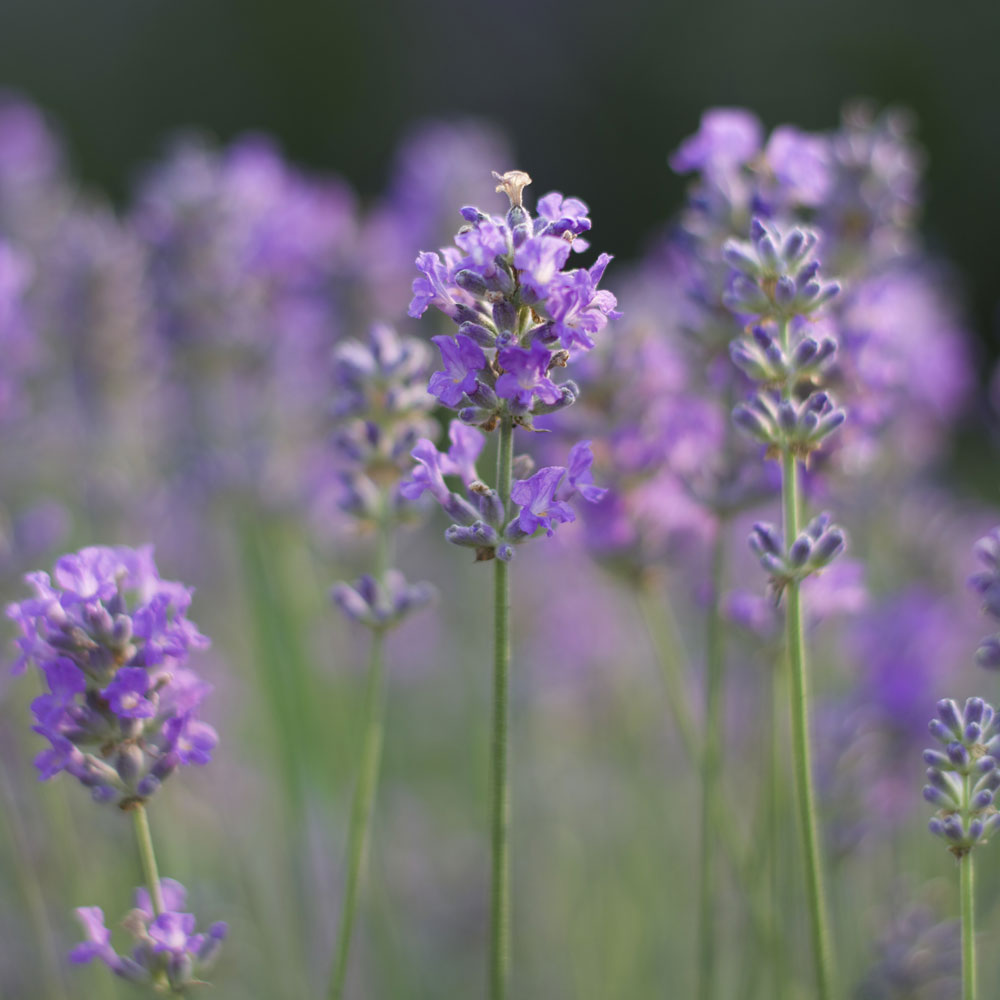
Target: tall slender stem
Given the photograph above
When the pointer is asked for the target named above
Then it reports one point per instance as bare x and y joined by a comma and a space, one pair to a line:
966, 890
361, 808
363, 802
799, 706
500, 791
801, 754
779, 957
147, 857
714, 668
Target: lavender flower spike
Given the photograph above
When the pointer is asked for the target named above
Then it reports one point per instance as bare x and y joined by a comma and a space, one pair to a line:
962, 782
964, 778
521, 316
111, 640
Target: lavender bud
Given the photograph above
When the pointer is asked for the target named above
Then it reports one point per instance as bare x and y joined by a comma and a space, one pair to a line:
974, 710
570, 392
958, 755
478, 333
477, 535
949, 714
750, 422
474, 416
801, 549
765, 538
471, 282
828, 547
983, 799
988, 653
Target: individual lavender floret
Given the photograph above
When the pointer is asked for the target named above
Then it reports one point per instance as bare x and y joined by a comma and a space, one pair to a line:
541, 498
520, 314
168, 953
963, 780
986, 583
111, 640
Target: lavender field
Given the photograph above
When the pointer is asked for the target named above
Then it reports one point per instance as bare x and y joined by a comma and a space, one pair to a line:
407, 598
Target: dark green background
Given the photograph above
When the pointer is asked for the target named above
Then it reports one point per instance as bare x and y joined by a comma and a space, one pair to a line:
594, 94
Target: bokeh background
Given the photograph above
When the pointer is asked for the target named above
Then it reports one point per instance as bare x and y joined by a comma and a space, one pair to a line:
592, 97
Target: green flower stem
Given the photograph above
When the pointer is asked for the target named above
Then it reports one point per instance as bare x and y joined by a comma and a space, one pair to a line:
801, 755
147, 857
499, 973
966, 890
361, 808
710, 772
779, 955
799, 694
362, 805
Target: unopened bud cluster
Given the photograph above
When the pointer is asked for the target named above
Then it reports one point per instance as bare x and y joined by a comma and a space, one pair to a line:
963, 778
382, 407
382, 605
796, 426
776, 274
813, 549
776, 285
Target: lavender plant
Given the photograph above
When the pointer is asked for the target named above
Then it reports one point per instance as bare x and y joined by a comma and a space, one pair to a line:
381, 408
110, 639
521, 316
962, 783
776, 288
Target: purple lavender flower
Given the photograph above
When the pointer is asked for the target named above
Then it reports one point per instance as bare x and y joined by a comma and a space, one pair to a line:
111, 638
168, 950
903, 368
247, 261
381, 411
505, 286
539, 506
463, 361
479, 516
726, 139
526, 376
964, 778
383, 605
